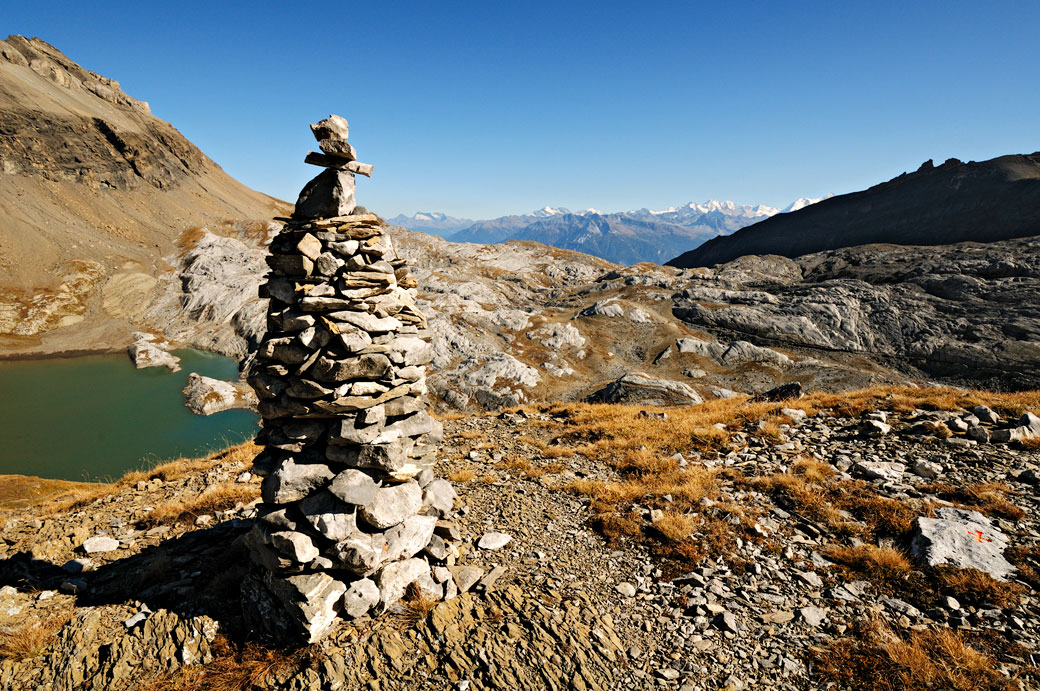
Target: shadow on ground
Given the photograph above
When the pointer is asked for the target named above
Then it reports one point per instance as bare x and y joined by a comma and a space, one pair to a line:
196, 573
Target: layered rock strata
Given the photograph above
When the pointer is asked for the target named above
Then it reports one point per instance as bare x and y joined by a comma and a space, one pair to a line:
352, 513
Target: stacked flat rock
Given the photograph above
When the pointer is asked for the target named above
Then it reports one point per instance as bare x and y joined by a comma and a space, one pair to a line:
351, 513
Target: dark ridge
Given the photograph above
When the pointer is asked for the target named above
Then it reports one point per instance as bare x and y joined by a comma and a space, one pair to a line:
956, 202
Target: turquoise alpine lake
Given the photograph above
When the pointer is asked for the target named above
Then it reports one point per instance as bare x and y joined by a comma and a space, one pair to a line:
94, 417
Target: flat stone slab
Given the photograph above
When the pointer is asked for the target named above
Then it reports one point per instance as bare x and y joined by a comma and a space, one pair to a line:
961, 538
880, 470
100, 543
492, 541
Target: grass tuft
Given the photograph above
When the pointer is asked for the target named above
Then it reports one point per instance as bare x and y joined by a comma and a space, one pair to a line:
988, 498
877, 659
234, 669
216, 498
31, 638
885, 564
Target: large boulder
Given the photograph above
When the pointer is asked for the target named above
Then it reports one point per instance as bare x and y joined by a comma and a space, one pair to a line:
638, 387
328, 195
961, 538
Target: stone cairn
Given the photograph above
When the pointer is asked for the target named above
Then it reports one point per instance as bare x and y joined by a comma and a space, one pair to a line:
351, 514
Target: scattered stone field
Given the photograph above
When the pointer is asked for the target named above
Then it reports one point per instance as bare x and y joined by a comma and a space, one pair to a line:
872, 545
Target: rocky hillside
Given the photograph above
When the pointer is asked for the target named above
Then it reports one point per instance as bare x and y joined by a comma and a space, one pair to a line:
965, 313
94, 191
874, 541
519, 321
956, 202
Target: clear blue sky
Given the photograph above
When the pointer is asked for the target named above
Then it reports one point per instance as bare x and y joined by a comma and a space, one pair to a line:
485, 108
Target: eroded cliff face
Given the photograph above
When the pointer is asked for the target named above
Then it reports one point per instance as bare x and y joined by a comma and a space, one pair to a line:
94, 191
963, 313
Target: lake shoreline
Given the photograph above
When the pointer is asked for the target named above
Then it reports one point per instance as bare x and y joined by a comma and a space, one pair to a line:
60, 354
115, 418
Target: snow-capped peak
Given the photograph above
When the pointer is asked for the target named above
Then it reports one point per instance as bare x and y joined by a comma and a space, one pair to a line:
803, 202
429, 216
547, 211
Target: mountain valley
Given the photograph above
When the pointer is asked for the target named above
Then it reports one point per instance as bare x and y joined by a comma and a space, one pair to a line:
627, 237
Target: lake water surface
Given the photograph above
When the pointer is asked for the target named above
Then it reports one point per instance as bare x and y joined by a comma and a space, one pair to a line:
96, 416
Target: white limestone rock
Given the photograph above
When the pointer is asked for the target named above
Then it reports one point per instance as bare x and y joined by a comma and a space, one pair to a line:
293, 481
962, 538
639, 387
393, 580
361, 596
149, 350
392, 505
205, 395
99, 544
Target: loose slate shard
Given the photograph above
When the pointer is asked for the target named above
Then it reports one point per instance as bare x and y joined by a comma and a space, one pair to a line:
326, 161
344, 528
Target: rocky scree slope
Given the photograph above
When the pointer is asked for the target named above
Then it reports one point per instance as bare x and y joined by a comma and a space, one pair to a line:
955, 202
141, 602
94, 191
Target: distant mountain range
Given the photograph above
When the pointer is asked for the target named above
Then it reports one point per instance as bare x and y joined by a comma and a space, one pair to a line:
625, 237
985, 201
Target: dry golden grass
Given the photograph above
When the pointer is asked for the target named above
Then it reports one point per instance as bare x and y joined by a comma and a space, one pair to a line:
686, 486
815, 472
905, 399
415, 606
1031, 444
769, 429
525, 468
216, 498
190, 238
602, 430
83, 494
462, 475
556, 451
675, 526
989, 498
249, 667
240, 454
1027, 560
877, 659
803, 495
884, 564
641, 447
972, 586
810, 494
31, 638
21, 491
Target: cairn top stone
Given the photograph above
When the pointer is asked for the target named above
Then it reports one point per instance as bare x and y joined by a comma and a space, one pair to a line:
331, 134
333, 129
